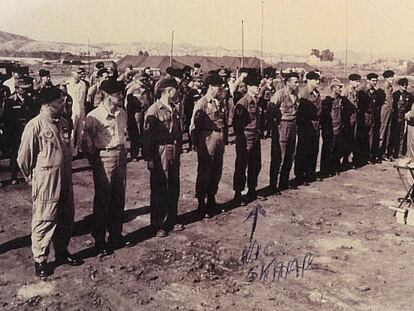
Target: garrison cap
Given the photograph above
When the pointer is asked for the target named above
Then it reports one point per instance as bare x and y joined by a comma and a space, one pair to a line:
49, 94
166, 82
187, 68
169, 70
289, 75
222, 73
112, 86
197, 65
354, 77
403, 81
214, 80
336, 82
388, 73
251, 79
312, 75
44, 73
372, 76
232, 75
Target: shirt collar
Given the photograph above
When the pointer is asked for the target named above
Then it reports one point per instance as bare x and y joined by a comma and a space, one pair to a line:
105, 113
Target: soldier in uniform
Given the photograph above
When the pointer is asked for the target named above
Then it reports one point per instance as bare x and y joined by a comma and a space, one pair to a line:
94, 95
4, 141
332, 125
162, 150
67, 103
402, 102
349, 130
103, 140
193, 95
386, 110
18, 111
246, 124
281, 116
369, 121
308, 117
207, 125
45, 159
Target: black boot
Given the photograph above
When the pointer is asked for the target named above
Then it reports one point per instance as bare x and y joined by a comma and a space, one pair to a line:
67, 258
42, 269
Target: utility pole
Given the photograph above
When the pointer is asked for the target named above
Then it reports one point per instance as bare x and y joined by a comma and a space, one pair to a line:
242, 49
172, 47
346, 39
261, 44
370, 33
89, 59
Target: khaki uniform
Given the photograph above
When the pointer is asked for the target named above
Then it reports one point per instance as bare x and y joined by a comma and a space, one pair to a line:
163, 146
45, 157
246, 123
103, 139
207, 127
282, 118
385, 129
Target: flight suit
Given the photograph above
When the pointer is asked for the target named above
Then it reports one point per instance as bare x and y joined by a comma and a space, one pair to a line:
103, 139
282, 122
332, 117
246, 124
385, 122
45, 157
308, 118
163, 146
402, 102
207, 130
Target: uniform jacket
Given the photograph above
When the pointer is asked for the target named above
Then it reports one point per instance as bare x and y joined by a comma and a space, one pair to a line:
162, 127
402, 103
309, 111
45, 157
333, 115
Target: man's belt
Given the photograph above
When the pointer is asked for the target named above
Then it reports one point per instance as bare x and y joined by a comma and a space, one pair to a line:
116, 148
287, 120
213, 130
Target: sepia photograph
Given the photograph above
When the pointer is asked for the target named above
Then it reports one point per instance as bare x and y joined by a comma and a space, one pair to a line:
237, 155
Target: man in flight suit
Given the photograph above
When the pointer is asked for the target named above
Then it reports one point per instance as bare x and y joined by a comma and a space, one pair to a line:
385, 151
162, 150
207, 125
45, 158
246, 124
103, 140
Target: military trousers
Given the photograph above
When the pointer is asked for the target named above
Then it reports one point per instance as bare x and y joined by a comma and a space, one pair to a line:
385, 131
248, 156
109, 175
58, 230
397, 137
331, 153
78, 120
282, 153
210, 150
165, 193
306, 155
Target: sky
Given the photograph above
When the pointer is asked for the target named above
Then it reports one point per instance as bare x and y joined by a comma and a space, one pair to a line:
290, 26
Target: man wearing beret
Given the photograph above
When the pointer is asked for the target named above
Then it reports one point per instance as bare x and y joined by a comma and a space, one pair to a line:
349, 122
281, 115
44, 76
402, 102
162, 150
18, 111
103, 141
385, 151
369, 121
94, 95
45, 159
246, 124
308, 118
206, 129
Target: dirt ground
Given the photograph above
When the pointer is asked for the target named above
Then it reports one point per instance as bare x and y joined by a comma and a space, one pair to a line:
333, 245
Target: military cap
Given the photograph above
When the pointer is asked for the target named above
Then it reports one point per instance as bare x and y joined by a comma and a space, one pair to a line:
388, 73
336, 82
244, 69
22, 83
169, 70
187, 68
212, 72
178, 73
197, 65
80, 70
252, 79
289, 75
44, 73
372, 76
47, 95
214, 80
166, 82
222, 72
232, 75
403, 81
99, 65
312, 75
101, 72
112, 86
354, 77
